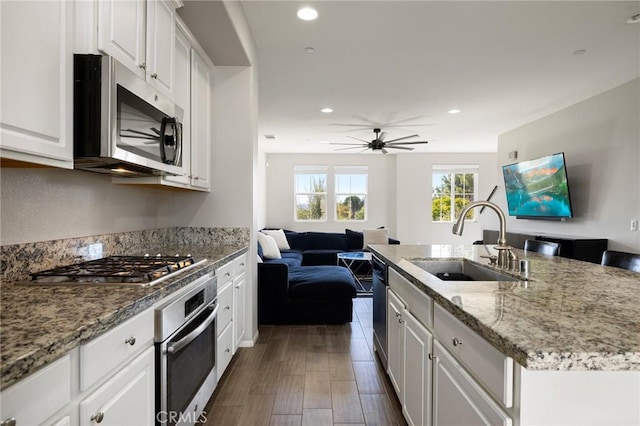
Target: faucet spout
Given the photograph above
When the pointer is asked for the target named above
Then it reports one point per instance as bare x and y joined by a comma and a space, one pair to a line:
503, 250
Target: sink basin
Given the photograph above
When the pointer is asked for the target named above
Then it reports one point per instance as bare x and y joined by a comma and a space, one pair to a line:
461, 270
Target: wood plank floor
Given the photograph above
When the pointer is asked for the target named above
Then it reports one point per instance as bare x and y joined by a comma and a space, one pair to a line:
308, 375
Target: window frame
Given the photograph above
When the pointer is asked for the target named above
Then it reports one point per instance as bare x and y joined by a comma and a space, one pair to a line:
452, 171
310, 170
350, 171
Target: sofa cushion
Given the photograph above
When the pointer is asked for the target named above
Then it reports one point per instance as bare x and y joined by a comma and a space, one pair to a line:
320, 257
296, 240
279, 237
260, 252
289, 261
355, 240
292, 254
269, 247
375, 236
321, 282
326, 240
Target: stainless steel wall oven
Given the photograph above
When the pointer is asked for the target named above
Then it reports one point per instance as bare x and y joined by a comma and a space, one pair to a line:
185, 336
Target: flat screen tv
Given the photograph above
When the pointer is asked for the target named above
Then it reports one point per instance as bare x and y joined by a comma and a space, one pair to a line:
538, 189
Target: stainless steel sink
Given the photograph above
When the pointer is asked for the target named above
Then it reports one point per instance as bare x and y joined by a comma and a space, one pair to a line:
461, 270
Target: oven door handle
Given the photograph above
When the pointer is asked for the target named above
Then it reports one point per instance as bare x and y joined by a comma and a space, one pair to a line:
177, 346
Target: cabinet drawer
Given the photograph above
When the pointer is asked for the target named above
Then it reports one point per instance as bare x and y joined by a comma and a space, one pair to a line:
126, 399
416, 302
102, 354
225, 312
224, 273
493, 369
224, 350
239, 264
39, 396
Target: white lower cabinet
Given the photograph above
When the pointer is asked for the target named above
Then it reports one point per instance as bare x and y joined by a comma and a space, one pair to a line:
395, 336
127, 398
458, 399
239, 296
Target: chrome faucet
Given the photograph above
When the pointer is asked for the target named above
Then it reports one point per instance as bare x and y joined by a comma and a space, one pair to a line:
507, 258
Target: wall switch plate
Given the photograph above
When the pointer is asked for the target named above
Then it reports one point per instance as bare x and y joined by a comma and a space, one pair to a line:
634, 225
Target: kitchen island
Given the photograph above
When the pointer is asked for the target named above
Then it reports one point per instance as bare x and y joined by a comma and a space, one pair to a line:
565, 343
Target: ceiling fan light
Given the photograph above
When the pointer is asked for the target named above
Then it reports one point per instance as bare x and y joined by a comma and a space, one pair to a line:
454, 111
307, 14
327, 110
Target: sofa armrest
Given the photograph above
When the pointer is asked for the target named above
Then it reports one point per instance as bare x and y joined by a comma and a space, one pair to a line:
273, 280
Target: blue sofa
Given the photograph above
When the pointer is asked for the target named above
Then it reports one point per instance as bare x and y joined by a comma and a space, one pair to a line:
306, 286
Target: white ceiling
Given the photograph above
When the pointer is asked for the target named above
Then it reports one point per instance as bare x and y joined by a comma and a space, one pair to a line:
502, 63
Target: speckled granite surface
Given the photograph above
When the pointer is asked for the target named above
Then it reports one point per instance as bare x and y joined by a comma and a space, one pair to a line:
570, 315
41, 323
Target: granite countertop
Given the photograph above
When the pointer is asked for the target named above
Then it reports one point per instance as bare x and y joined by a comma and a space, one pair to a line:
39, 324
570, 315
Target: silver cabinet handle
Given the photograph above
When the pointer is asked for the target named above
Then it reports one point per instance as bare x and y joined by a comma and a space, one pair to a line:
242, 264
228, 274
131, 340
98, 417
154, 75
11, 421
457, 342
238, 286
143, 66
431, 357
226, 308
397, 314
227, 350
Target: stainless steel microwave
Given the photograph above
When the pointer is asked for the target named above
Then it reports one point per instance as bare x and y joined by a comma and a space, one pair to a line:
122, 125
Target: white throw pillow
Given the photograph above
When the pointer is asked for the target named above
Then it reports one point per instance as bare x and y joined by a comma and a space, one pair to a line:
269, 247
375, 236
279, 236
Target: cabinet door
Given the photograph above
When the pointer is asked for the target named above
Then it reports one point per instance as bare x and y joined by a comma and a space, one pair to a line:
417, 379
121, 32
458, 399
37, 82
126, 399
239, 294
200, 121
161, 39
395, 333
182, 96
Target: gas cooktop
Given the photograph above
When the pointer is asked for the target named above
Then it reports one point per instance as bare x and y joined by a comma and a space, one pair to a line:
117, 270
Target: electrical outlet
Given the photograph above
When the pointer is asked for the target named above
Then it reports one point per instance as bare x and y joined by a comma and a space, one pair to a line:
634, 225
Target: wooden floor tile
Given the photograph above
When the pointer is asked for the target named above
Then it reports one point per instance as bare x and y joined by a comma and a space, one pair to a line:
346, 402
368, 377
340, 366
222, 416
337, 342
317, 417
290, 395
295, 363
317, 390
377, 410
285, 420
257, 410
317, 361
360, 350
267, 378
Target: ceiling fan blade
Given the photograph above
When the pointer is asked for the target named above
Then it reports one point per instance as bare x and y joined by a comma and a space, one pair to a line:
403, 138
355, 144
350, 147
382, 136
352, 125
384, 151
411, 125
399, 147
361, 140
406, 143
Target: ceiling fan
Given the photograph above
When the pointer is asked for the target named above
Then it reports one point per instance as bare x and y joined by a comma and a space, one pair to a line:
379, 144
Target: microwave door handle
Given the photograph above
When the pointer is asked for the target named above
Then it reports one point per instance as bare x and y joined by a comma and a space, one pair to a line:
177, 346
177, 160
163, 129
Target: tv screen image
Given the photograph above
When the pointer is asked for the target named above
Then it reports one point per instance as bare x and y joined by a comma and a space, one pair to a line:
538, 188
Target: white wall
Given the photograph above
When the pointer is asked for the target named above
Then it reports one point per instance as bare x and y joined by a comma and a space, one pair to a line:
414, 197
601, 141
44, 204
280, 190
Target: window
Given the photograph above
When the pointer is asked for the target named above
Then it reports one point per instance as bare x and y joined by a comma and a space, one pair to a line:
453, 187
351, 193
310, 193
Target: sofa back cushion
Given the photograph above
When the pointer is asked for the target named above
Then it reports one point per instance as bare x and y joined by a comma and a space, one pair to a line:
326, 240
297, 240
355, 239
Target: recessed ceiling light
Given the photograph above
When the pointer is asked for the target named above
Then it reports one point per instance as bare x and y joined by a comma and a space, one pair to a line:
309, 49
634, 19
579, 52
326, 110
454, 111
307, 14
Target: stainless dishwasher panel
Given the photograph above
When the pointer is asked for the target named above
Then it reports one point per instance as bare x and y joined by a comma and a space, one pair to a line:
380, 308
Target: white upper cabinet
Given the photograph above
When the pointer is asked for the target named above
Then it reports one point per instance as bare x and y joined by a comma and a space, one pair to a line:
141, 35
37, 82
200, 122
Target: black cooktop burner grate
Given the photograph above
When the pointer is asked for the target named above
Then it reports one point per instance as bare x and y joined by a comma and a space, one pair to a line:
116, 269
